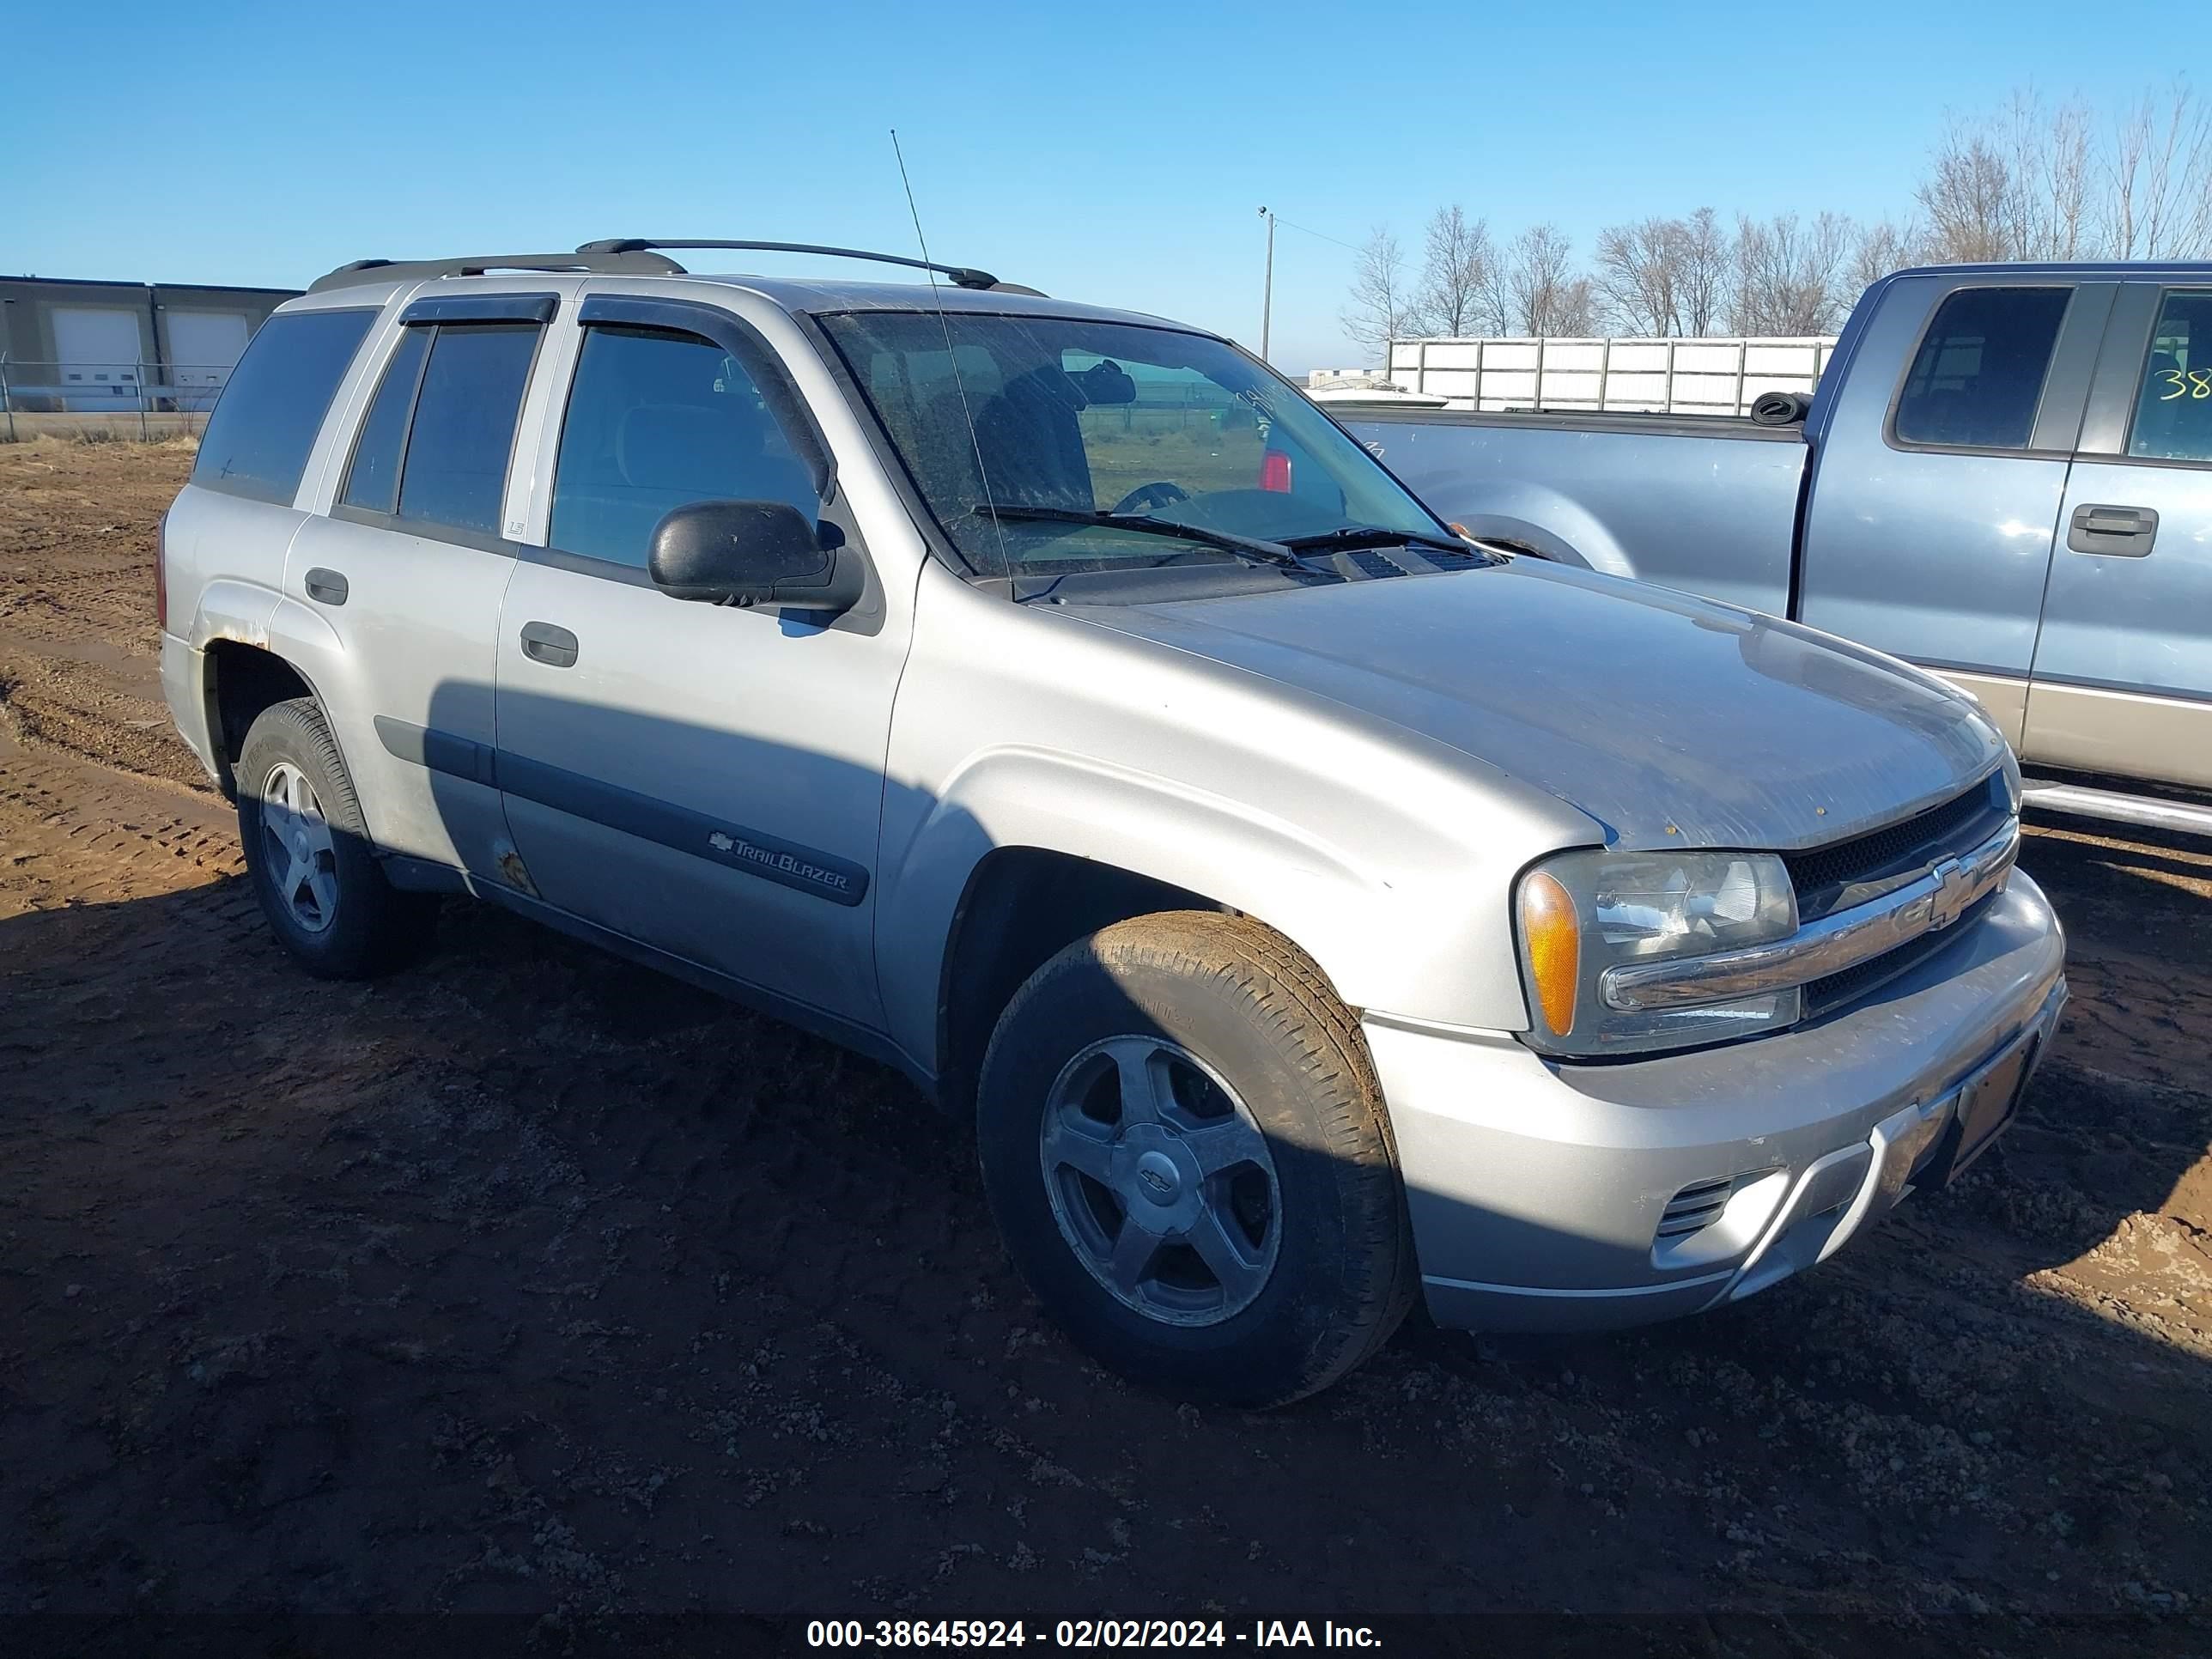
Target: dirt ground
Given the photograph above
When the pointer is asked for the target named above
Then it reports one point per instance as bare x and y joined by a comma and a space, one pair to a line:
529, 1282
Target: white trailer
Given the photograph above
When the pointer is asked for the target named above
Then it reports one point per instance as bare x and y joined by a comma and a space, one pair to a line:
1655, 376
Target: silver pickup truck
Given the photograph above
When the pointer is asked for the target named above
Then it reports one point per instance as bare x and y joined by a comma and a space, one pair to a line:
2005, 476
1311, 909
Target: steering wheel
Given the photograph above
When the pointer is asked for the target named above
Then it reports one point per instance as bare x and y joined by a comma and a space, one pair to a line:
1158, 493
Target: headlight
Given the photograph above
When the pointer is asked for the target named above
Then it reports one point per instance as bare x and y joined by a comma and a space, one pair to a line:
1582, 913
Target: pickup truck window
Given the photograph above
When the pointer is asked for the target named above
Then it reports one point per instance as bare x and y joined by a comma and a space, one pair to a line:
1978, 377
656, 420
258, 440
463, 430
1071, 417
2174, 410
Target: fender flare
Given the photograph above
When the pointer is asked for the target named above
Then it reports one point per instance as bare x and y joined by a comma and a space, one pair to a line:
1354, 916
1551, 526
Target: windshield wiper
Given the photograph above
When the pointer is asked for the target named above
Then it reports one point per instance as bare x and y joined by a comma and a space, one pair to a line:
1279, 553
1375, 535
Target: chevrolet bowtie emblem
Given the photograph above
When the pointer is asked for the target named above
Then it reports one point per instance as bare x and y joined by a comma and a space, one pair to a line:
1954, 888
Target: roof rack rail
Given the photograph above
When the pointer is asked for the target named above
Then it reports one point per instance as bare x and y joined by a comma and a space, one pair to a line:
960, 275
628, 261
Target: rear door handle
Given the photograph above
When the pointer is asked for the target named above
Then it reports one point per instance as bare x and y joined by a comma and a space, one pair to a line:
554, 646
2128, 531
327, 585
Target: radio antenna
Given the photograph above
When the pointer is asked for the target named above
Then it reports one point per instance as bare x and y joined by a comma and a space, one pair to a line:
975, 442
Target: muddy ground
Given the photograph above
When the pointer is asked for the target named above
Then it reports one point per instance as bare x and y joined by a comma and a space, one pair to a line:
529, 1282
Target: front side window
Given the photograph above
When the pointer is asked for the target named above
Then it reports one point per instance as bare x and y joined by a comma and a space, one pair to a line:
1978, 377
1022, 416
454, 473
258, 440
656, 420
2174, 410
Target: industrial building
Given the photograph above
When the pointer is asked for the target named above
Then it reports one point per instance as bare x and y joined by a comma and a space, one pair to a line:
92, 346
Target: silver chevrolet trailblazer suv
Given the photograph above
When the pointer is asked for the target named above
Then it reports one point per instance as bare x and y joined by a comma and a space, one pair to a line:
1314, 907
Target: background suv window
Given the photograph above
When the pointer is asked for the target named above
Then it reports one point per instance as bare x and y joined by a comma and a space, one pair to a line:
657, 419
458, 445
2173, 411
257, 441
1978, 377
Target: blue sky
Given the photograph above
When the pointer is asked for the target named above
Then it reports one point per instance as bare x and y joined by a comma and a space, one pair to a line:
1117, 154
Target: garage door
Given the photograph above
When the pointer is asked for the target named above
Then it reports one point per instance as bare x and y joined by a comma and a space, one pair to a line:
204, 345
99, 348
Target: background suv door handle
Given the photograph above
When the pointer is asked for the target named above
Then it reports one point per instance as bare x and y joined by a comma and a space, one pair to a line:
327, 585
554, 646
2126, 530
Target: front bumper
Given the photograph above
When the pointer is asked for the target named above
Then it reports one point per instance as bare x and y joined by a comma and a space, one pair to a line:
1539, 1190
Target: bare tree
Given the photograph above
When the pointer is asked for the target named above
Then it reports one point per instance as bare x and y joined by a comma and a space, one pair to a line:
1455, 276
2158, 204
2051, 156
1381, 306
1708, 259
2033, 180
1536, 289
1968, 198
1662, 277
1639, 273
1883, 247
1789, 274
2043, 182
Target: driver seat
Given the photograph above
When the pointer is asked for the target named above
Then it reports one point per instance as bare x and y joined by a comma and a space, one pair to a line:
1031, 443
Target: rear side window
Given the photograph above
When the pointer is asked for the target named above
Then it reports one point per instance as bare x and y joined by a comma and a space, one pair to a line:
257, 441
1978, 377
373, 479
454, 473
655, 421
2174, 410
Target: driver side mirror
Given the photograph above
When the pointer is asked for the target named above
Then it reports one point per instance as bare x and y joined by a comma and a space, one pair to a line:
754, 553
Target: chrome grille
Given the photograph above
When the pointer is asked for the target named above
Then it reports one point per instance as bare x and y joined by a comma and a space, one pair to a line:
1824, 877
1824, 995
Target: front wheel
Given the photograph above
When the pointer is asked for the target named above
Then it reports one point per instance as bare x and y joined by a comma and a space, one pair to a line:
1184, 1146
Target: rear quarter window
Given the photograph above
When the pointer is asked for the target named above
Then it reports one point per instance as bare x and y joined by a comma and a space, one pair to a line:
264, 424
1978, 378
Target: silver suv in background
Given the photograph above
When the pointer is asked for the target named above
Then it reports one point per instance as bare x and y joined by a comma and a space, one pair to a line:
1314, 909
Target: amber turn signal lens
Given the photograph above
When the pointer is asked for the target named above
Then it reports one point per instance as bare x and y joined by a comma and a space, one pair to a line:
1554, 934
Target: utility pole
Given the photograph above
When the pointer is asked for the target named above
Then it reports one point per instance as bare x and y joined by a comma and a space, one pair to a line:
1267, 293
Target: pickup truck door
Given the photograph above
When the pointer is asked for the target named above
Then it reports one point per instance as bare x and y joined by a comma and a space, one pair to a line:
1939, 470
2122, 680
704, 780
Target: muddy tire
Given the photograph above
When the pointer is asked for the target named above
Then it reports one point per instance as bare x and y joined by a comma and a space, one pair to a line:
308, 854
1183, 1142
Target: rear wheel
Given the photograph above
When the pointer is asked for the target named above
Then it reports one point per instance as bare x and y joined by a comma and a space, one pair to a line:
1185, 1148
308, 855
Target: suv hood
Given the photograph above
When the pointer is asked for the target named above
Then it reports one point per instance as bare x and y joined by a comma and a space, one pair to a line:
1672, 720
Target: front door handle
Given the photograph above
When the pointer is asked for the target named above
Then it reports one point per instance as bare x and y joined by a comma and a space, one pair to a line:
327, 585
2128, 531
554, 646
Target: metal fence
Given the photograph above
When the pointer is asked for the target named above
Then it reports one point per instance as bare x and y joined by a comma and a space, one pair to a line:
145, 400
1656, 376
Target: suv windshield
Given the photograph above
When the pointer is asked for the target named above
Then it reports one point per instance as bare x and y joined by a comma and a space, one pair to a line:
1063, 425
